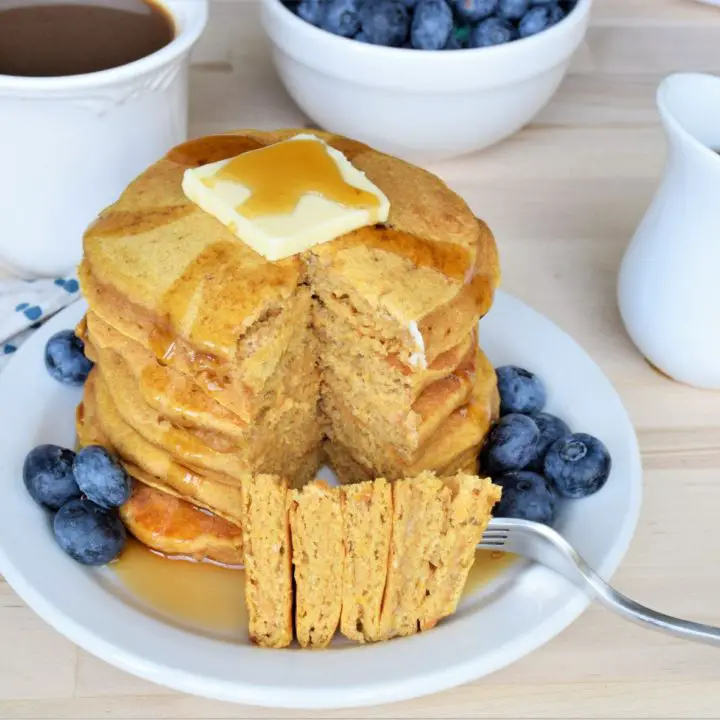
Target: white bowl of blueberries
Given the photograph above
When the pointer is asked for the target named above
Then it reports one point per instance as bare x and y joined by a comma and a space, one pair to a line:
424, 79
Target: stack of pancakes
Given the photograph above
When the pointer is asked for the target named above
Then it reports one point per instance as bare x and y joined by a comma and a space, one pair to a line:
214, 365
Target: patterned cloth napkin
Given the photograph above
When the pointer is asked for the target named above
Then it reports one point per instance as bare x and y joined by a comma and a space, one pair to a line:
26, 304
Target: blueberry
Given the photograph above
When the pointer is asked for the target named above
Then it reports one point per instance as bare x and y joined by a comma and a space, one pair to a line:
551, 429
513, 9
431, 25
535, 20
341, 17
556, 13
312, 11
520, 390
65, 358
493, 31
511, 444
101, 477
577, 465
526, 496
88, 533
459, 37
48, 476
475, 10
384, 22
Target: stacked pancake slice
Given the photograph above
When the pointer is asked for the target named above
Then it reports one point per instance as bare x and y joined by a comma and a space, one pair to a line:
214, 366
375, 560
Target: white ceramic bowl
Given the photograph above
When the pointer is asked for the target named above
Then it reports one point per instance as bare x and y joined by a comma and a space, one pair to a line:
421, 105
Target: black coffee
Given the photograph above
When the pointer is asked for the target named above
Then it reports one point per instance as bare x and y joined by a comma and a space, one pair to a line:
50, 38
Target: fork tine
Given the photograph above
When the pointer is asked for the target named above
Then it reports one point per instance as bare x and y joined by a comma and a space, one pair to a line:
497, 524
492, 541
495, 536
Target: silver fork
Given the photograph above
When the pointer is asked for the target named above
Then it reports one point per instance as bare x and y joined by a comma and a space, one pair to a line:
546, 546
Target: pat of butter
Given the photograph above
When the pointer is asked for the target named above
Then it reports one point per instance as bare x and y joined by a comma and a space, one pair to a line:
287, 197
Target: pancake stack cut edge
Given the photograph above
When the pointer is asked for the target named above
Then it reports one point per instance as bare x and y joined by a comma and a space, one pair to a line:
374, 560
218, 372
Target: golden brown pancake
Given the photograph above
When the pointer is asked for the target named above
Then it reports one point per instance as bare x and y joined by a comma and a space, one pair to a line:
175, 527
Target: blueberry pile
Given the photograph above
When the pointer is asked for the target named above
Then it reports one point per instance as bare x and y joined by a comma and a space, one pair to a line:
534, 456
432, 24
83, 491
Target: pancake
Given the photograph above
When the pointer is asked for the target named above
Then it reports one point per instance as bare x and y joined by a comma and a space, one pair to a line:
217, 493
459, 435
407, 428
287, 432
467, 515
366, 510
169, 390
436, 524
318, 557
174, 527
157, 516
268, 562
241, 384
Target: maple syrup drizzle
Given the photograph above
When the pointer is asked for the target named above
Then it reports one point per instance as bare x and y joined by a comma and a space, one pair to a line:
206, 150
449, 259
280, 175
114, 223
215, 294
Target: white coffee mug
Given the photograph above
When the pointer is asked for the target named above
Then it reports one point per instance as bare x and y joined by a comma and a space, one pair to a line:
70, 145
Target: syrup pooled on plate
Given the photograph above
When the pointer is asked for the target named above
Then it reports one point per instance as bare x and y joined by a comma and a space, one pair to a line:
210, 598
201, 596
488, 565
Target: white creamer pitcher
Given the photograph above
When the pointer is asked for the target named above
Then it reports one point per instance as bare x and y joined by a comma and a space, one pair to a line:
669, 285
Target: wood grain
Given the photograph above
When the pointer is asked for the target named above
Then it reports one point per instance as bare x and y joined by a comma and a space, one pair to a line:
563, 196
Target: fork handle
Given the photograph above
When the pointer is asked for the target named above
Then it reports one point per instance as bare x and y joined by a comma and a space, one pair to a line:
641, 615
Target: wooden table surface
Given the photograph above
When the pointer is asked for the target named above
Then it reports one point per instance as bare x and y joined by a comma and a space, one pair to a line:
563, 197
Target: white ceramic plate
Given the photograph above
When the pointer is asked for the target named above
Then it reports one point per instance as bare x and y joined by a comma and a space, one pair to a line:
491, 629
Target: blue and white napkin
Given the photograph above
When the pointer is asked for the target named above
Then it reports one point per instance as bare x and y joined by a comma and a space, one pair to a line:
26, 304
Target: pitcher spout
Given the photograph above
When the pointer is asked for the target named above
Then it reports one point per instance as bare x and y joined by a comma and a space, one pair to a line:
689, 105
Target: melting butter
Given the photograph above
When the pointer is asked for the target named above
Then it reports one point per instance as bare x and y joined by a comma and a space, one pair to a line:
287, 197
